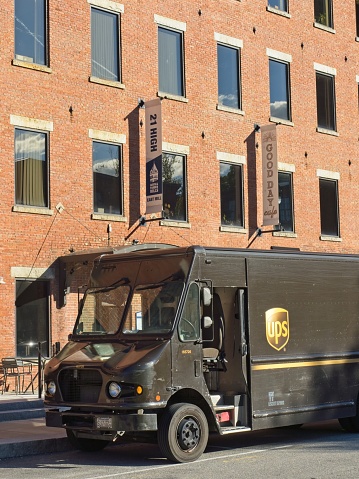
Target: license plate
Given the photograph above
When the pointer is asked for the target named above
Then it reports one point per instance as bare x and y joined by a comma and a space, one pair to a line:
104, 423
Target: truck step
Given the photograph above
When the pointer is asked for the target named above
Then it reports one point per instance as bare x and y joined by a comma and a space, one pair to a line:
223, 407
231, 429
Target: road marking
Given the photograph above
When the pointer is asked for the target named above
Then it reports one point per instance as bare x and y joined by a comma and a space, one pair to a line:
138, 471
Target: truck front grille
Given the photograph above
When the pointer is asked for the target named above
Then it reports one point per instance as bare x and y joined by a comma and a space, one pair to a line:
80, 385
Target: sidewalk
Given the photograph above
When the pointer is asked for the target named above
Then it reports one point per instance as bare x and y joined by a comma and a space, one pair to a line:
29, 436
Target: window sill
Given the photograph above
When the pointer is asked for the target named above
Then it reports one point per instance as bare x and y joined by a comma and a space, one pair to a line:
233, 229
285, 234
323, 27
176, 224
36, 210
168, 96
278, 12
31, 66
101, 81
335, 239
327, 132
236, 111
280, 121
357, 39
108, 217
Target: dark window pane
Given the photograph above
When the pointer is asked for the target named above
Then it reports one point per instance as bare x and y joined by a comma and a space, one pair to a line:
170, 62
280, 4
325, 101
357, 17
231, 195
105, 45
174, 190
329, 207
30, 31
228, 76
107, 178
286, 201
323, 12
32, 317
279, 90
30, 168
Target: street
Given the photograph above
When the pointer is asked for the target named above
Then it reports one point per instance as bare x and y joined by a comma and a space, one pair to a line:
316, 451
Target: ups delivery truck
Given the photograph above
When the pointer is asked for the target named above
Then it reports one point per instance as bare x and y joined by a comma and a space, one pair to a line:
178, 343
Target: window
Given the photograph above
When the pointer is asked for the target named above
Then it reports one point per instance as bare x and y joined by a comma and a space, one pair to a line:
31, 168
30, 31
107, 178
228, 76
105, 45
189, 325
325, 101
323, 12
329, 218
170, 61
279, 90
174, 187
231, 182
285, 201
32, 317
279, 4
357, 17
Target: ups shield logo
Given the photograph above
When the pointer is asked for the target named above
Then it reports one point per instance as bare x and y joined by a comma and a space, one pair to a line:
277, 327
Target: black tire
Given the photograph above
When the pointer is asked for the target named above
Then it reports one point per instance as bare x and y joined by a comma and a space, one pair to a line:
350, 424
87, 445
183, 432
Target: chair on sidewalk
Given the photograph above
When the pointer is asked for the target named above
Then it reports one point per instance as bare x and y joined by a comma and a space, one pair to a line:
17, 369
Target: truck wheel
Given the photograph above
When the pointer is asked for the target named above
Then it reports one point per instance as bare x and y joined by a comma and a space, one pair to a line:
183, 432
88, 445
350, 424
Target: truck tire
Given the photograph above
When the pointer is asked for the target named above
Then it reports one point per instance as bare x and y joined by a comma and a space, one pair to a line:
183, 432
351, 424
87, 445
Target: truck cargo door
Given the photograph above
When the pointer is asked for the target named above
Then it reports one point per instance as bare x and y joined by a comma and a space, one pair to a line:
241, 314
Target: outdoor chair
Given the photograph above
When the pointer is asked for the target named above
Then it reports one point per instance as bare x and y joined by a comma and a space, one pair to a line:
17, 369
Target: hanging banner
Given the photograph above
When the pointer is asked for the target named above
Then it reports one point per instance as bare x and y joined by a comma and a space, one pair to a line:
153, 119
270, 175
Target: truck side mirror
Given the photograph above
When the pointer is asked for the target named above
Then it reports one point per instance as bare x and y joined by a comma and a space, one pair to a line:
207, 296
207, 322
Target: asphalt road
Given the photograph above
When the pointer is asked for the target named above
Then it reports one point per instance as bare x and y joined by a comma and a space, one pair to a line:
317, 451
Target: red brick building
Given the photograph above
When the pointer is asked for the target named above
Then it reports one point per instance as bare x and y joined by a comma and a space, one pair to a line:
74, 76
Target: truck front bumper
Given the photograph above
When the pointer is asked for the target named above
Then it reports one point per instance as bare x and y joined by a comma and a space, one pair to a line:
99, 424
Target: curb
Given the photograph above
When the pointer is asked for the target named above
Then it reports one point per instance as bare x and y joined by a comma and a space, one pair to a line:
32, 448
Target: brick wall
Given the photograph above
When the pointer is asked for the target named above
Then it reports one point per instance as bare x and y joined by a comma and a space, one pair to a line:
36, 241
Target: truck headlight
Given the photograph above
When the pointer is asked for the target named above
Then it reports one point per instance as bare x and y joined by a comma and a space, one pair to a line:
114, 389
51, 388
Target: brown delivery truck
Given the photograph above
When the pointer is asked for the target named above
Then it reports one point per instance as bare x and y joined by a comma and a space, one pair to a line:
177, 343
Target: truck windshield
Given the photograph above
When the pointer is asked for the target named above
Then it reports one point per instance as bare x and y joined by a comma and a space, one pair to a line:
102, 310
153, 308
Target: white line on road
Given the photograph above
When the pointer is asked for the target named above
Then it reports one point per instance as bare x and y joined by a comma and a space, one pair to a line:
138, 471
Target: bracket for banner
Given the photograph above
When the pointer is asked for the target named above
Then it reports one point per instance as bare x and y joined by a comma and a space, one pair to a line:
259, 233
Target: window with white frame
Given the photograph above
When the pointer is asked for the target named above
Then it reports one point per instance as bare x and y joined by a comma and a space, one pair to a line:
32, 317
105, 44
323, 12
30, 31
285, 189
31, 168
231, 184
281, 5
279, 85
107, 178
329, 204
325, 89
171, 76
229, 79
174, 186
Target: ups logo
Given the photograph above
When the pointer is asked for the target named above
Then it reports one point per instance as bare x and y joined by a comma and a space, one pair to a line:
277, 327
